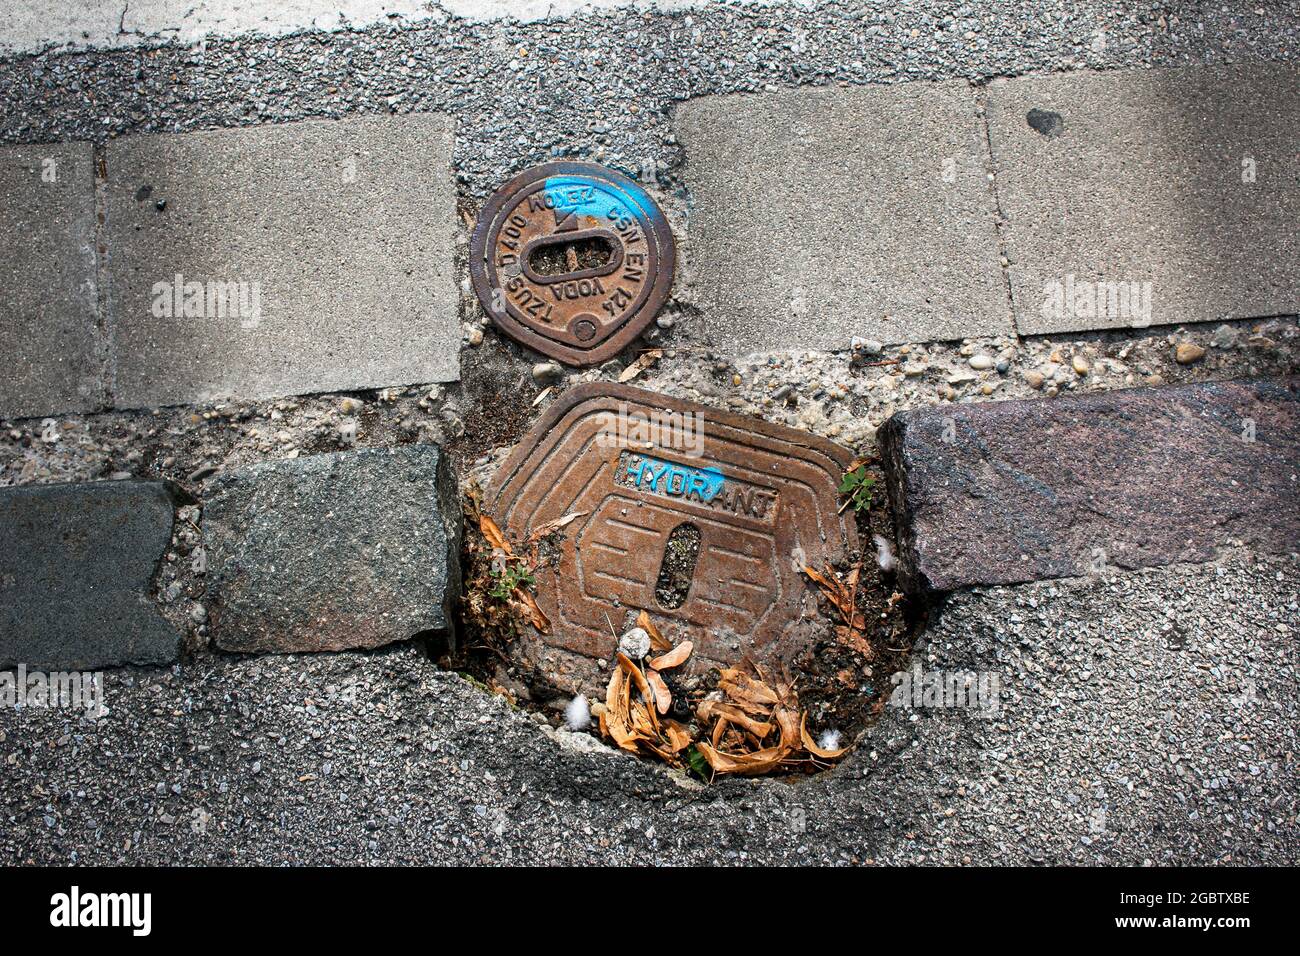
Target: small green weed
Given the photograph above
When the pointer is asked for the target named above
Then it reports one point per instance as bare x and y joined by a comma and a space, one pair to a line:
859, 486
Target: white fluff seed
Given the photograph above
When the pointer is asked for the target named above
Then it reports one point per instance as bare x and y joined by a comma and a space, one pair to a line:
885, 554
829, 740
577, 716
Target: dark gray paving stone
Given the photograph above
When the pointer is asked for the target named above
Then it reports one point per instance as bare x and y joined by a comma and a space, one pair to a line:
821, 214
333, 552
1181, 181
1005, 492
334, 239
76, 570
49, 347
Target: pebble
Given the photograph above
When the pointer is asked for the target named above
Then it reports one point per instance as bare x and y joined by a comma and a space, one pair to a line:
1225, 337
981, 362
1188, 352
864, 350
635, 643
474, 336
547, 372
1080, 365
1034, 378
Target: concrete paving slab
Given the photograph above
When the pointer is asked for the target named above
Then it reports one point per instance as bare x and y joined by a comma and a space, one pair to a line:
820, 214
279, 260
76, 569
1005, 492
333, 552
48, 335
1149, 197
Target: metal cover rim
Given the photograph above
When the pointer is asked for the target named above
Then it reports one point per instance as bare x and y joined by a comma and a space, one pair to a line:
656, 293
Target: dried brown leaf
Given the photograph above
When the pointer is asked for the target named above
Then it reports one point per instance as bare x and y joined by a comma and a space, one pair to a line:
851, 638
679, 738
663, 696
719, 729
643, 720
674, 658
657, 639
747, 691
642, 685
646, 359
833, 588
841, 596
748, 765
540, 621
548, 527
616, 719
493, 533
712, 709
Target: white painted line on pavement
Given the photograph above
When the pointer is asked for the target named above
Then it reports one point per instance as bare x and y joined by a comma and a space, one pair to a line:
30, 26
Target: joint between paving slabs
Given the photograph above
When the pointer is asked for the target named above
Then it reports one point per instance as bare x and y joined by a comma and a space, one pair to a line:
104, 343
178, 586
980, 90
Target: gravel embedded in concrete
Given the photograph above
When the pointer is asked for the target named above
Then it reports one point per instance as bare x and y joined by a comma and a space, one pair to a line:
602, 87
379, 756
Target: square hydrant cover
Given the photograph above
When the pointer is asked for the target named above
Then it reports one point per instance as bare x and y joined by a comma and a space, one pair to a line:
700, 517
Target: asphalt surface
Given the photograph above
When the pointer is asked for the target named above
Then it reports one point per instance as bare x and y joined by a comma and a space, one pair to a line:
1144, 718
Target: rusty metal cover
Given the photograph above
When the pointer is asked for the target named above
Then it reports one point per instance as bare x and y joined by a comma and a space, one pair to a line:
758, 500
572, 260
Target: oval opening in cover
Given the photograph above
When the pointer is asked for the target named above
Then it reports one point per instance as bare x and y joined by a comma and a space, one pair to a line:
678, 566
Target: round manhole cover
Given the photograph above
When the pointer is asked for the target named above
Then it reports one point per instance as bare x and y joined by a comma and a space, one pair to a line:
572, 260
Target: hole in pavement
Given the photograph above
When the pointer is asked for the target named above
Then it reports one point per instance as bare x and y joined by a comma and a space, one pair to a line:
563, 258
678, 566
744, 548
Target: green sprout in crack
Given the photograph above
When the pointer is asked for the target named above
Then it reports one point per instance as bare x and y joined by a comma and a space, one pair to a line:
507, 577
859, 486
